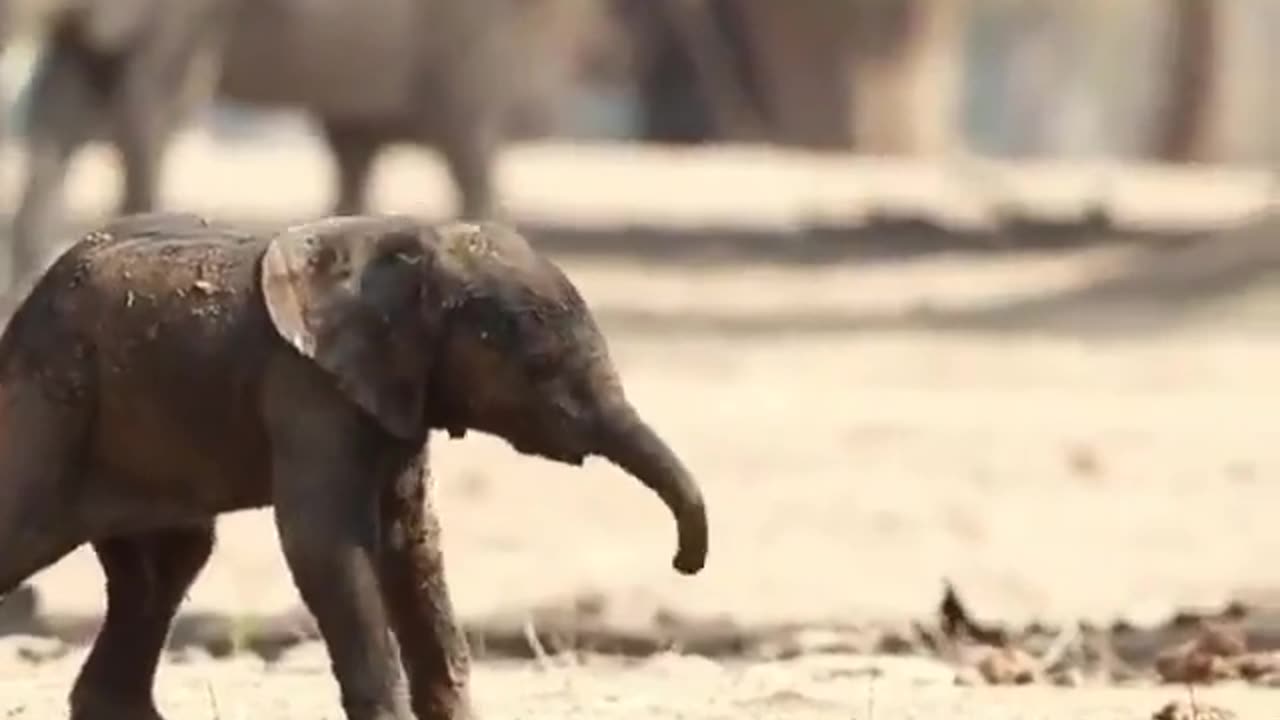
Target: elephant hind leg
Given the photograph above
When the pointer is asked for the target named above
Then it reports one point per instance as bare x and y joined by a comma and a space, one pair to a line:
41, 444
147, 576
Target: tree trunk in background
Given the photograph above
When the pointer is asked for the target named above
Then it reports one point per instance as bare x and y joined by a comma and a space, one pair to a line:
1186, 135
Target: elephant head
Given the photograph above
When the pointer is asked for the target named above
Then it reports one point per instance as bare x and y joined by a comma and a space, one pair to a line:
464, 326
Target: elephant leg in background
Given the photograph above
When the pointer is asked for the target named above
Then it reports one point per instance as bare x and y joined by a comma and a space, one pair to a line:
468, 138
147, 577
142, 131
151, 105
469, 156
65, 110
433, 649
354, 150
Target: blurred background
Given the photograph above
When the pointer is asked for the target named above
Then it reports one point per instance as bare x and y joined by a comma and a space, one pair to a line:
979, 290
1150, 80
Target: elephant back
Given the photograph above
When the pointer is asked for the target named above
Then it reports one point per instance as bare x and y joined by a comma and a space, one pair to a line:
171, 282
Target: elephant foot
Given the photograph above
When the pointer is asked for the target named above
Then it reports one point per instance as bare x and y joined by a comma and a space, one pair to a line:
99, 706
446, 706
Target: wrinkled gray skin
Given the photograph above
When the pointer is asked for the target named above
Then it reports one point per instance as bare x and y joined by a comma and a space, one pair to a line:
166, 369
370, 73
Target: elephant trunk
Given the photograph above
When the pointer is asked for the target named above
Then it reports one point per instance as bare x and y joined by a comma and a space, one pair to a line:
632, 445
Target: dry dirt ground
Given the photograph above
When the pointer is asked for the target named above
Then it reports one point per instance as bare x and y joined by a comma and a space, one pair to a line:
665, 686
1102, 459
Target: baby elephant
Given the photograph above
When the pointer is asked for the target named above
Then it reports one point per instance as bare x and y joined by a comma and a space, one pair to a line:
166, 369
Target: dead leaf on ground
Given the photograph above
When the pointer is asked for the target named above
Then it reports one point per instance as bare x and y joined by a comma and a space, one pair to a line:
1083, 460
958, 623
1008, 666
1210, 656
1186, 710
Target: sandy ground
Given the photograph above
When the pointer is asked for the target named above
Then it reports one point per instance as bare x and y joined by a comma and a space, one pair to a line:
849, 466
665, 686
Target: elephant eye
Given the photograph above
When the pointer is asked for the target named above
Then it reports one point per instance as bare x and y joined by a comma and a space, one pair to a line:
504, 327
324, 258
493, 326
540, 366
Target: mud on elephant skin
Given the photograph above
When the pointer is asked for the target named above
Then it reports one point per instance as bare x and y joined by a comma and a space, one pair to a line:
167, 369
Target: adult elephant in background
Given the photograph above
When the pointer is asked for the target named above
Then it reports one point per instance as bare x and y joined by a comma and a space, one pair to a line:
374, 72
873, 76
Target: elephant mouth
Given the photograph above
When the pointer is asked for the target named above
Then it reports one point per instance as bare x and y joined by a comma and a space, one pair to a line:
526, 443
564, 453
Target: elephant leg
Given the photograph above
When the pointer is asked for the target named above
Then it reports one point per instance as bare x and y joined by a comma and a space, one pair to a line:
325, 500
432, 647
141, 134
41, 441
146, 114
469, 145
354, 149
330, 546
66, 107
147, 577
169, 69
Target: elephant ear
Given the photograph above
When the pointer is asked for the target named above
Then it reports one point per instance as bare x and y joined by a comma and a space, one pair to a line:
348, 293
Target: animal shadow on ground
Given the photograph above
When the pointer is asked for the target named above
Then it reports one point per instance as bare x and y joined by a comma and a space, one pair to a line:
1172, 275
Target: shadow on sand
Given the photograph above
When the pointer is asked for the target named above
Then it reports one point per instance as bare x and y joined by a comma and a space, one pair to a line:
1173, 276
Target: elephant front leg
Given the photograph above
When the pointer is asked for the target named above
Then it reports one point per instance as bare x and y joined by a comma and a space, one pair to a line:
327, 520
433, 649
